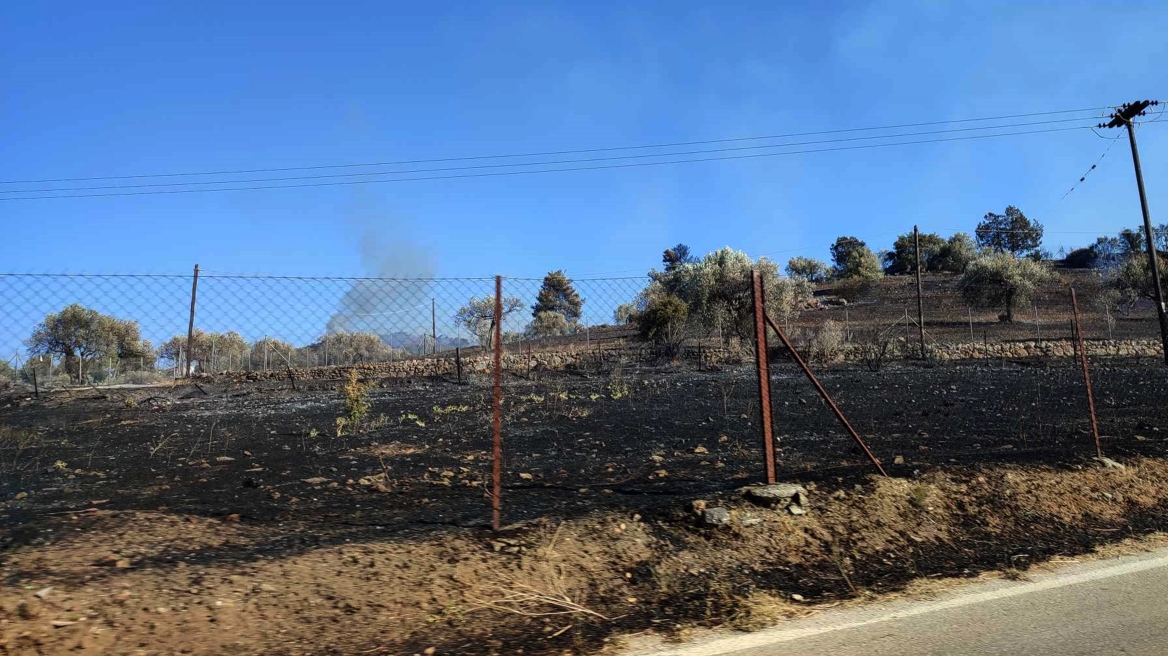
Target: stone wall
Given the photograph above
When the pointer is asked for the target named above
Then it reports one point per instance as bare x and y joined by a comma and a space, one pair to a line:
1030, 349
601, 358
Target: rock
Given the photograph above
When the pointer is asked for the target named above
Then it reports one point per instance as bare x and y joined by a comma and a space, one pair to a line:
43, 592
749, 520
1108, 463
266, 587
796, 510
796, 597
233, 517
701, 449
429, 651
315, 480
224, 459
656, 458
839, 494
898, 460
774, 495
122, 564
699, 505
715, 517
21, 495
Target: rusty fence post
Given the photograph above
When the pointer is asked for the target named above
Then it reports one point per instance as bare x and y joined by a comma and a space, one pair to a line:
764, 377
824, 395
1086, 373
497, 412
191, 324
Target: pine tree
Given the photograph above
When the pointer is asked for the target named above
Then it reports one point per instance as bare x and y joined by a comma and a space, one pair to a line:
558, 295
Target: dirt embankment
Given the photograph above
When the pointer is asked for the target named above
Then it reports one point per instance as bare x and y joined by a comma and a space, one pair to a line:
153, 582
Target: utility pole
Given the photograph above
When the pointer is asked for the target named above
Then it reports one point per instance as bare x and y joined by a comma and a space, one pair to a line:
1123, 118
433, 327
920, 292
191, 325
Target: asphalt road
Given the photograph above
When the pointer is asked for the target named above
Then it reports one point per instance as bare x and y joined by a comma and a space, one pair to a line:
1099, 608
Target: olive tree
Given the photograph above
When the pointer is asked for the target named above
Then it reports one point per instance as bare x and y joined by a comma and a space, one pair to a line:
718, 291
478, 316
1003, 280
81, 335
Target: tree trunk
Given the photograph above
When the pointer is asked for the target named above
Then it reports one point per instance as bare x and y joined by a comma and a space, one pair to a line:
1009, 309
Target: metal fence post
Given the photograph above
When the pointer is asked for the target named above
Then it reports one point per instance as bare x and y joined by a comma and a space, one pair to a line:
1086, 374
497, 410
823, 394
764, 377
191, 324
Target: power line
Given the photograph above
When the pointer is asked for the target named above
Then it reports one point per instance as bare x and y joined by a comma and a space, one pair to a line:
557, 152
1093, 167
554, 170
532, 164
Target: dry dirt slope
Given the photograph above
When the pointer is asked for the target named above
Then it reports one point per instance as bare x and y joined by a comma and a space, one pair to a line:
158, 583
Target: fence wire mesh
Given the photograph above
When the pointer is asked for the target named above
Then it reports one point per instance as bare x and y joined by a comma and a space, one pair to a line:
593, 404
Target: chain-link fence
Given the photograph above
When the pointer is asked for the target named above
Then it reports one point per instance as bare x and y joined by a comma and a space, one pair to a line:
603, 391
111, 329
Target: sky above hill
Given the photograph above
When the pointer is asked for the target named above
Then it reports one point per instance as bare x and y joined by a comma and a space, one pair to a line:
97, 89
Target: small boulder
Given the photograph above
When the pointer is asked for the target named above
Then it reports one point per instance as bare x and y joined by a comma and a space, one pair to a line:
898, 460
715, 517
796, 510
778, 494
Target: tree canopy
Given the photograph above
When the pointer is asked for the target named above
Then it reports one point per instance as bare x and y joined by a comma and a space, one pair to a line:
841, 252
557, 295
677, 256
478, 316
903, 256
84, 334
1011, 232
1003, 281
807, 268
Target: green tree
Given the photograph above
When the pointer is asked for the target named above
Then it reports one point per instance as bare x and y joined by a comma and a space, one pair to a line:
80, 335
677, 256
279, 353
1132, 279
478, 316
1003, 280
663, 321
807, 268
548, 324
1010, 233
625, 314
903, 256
842, 249
717, 291
344, 347
229, 350
559, 296
958, 252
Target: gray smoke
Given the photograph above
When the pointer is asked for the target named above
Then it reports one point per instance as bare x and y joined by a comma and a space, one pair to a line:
399, 301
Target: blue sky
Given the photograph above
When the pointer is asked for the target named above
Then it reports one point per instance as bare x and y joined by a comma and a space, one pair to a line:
94, 89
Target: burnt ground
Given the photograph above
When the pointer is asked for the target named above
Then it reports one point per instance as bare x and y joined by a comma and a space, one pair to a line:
572, 443
250, 481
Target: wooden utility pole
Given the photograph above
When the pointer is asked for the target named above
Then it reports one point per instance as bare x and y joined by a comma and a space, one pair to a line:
1123, 118
191, 325
920, 292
